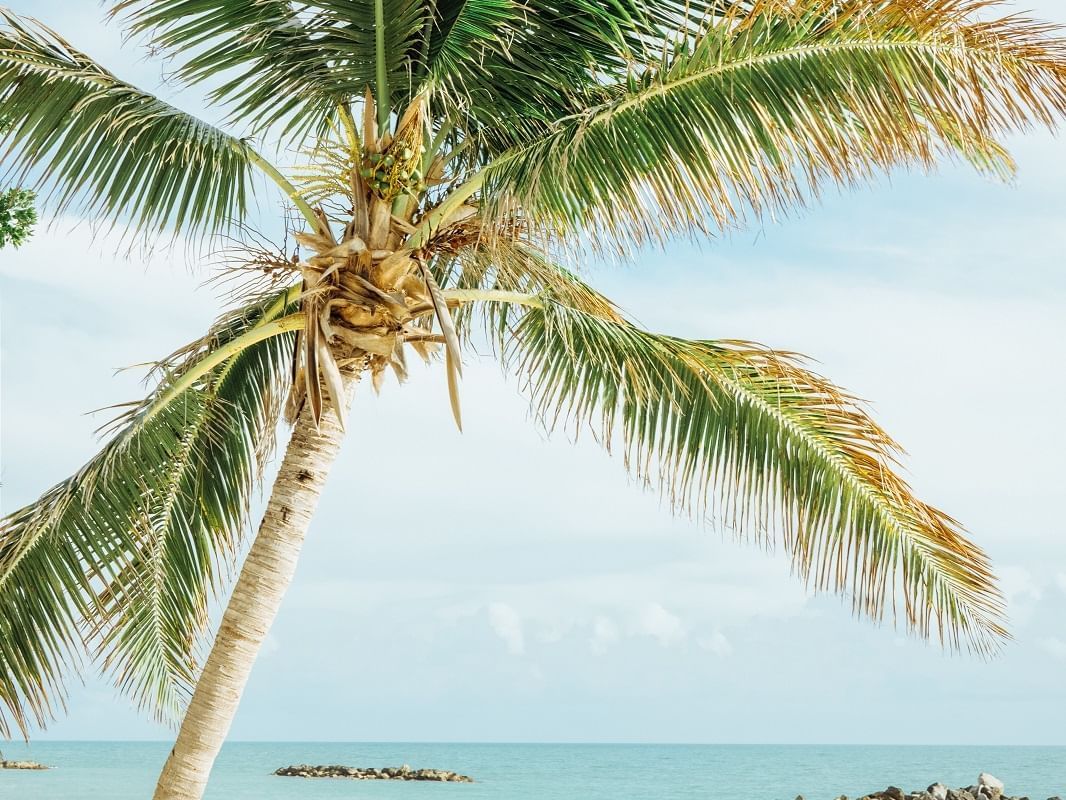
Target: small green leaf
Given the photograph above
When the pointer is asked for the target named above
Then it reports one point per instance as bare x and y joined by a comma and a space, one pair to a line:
17, 216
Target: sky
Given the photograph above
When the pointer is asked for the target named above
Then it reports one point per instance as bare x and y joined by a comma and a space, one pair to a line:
518, 586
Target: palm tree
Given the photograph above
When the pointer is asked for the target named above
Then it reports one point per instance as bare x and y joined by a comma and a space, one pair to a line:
455, 156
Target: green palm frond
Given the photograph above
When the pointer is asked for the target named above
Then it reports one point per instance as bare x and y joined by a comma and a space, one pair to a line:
275, 61
488, 70
485, 57
122, 557
464, 32
283, 65
88, 140
748, 435
764, 107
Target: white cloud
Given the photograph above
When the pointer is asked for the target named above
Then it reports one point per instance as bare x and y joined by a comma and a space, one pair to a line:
1060, 581
716, 643
1053, 646
507, 624
655, 621
604, 634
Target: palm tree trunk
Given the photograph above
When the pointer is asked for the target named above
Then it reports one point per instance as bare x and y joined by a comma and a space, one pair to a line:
265, 575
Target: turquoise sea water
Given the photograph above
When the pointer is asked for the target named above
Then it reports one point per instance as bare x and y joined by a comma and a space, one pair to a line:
127, 771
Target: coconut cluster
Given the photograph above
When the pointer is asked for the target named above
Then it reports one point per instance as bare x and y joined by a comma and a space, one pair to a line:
394, 172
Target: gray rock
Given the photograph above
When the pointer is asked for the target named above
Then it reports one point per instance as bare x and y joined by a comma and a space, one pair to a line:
939, 791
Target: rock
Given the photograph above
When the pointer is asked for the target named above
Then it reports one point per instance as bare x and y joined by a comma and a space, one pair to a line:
22, 765
893, 793
939, 791
994, 786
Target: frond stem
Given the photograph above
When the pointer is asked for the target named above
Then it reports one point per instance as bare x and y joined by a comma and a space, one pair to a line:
932, 49
446, 127
293, 322
460, 296
450, 203
384, 110
291, 192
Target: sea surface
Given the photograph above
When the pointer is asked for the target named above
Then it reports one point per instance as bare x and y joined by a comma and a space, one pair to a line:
127, 771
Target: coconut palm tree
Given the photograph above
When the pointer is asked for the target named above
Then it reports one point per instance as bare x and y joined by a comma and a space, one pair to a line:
457, 160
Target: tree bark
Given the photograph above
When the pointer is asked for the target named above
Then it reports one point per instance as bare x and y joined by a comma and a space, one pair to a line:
265, 575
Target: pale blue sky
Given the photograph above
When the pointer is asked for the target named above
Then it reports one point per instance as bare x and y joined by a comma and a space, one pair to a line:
527, 591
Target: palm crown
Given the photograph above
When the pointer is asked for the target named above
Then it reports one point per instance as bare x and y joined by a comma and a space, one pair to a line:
455, 155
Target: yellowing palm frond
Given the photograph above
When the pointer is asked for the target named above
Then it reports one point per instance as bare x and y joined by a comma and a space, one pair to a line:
751, 437
767, 105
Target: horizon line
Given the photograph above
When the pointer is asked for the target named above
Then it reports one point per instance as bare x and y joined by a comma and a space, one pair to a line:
581, 743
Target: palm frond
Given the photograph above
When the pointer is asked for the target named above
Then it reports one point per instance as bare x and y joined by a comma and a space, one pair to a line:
284, 65
464, 32
748, 435
276, 68
488, 60
506, 265
94, 142
483, 57
122, 557
766, 106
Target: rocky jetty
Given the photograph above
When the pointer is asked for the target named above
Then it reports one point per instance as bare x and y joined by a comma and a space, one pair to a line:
404, 773
988, 787
21, 765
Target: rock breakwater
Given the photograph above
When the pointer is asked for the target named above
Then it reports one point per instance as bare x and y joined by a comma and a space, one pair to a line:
988, 787
21, 765
404, 773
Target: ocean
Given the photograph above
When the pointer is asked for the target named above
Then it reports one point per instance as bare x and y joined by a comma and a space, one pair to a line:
127, 771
